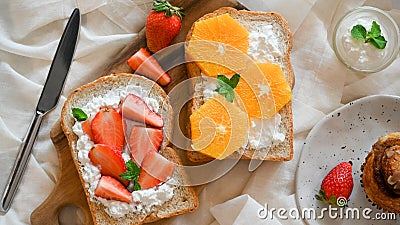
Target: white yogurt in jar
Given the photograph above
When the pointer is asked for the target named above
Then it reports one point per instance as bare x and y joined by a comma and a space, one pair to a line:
359, 55
361, 52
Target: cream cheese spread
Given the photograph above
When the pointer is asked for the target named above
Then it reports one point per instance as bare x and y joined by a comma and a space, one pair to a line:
358, 51
265, 43
263, 132
143, 200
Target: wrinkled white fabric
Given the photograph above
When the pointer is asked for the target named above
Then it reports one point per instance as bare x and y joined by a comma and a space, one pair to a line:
246, 209
29, 34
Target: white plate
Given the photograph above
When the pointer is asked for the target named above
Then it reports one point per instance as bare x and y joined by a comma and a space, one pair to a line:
346, 134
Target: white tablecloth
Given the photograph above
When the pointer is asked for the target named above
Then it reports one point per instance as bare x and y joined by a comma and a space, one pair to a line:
29, 34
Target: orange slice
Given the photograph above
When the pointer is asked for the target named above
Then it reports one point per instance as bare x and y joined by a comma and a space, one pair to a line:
280, 89
218, 128
218, 45
263, 90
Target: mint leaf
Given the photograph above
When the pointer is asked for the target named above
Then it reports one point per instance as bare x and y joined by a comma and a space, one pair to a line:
126, 176
375, 30
226, 86
224, 89
230, 96
223, 86
79, 114
378, 42
131, 166
373, 36
223, 79
132, 172
136, 185
234, 80
359, 32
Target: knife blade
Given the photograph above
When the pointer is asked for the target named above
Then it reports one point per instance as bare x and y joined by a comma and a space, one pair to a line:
48, 100
254, 5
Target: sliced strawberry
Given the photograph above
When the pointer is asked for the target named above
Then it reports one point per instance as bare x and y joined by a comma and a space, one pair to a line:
155, 167
142, 62
107, 128
109, 188
164, 80
146, 181
134, 108
87, 128
109, 161
142, 140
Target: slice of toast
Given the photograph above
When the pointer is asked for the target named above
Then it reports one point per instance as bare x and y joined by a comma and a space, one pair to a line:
281, 151
184, 198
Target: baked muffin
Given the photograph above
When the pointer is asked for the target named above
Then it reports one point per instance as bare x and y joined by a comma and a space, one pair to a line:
381, 173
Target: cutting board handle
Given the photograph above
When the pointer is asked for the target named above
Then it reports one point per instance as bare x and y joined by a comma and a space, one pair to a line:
68, 189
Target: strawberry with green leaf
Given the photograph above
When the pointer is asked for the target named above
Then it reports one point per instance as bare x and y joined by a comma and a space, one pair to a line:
163, 25
337, 184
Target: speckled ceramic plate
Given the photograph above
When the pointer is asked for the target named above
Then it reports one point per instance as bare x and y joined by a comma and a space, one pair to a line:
346, 134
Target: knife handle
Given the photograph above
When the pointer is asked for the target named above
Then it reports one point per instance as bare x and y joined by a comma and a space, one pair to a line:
20, 163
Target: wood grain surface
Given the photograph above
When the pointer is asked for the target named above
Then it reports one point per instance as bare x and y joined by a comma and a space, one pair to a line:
68, 189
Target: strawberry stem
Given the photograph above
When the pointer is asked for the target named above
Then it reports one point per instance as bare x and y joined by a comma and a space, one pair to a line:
170, 10
321, 196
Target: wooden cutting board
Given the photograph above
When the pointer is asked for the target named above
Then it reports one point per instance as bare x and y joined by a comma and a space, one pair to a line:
68, 189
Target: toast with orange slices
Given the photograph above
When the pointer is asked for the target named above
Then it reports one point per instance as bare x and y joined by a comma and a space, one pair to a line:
262, 39
118, 128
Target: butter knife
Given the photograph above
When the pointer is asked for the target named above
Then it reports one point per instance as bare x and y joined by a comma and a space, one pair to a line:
48, 100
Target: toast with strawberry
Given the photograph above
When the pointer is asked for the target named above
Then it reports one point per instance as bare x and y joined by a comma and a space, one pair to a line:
118, 128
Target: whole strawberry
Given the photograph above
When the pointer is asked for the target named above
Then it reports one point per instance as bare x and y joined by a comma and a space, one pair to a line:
163, 25
337, 185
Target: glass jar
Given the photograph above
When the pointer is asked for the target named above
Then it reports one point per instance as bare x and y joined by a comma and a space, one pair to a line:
359, 55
